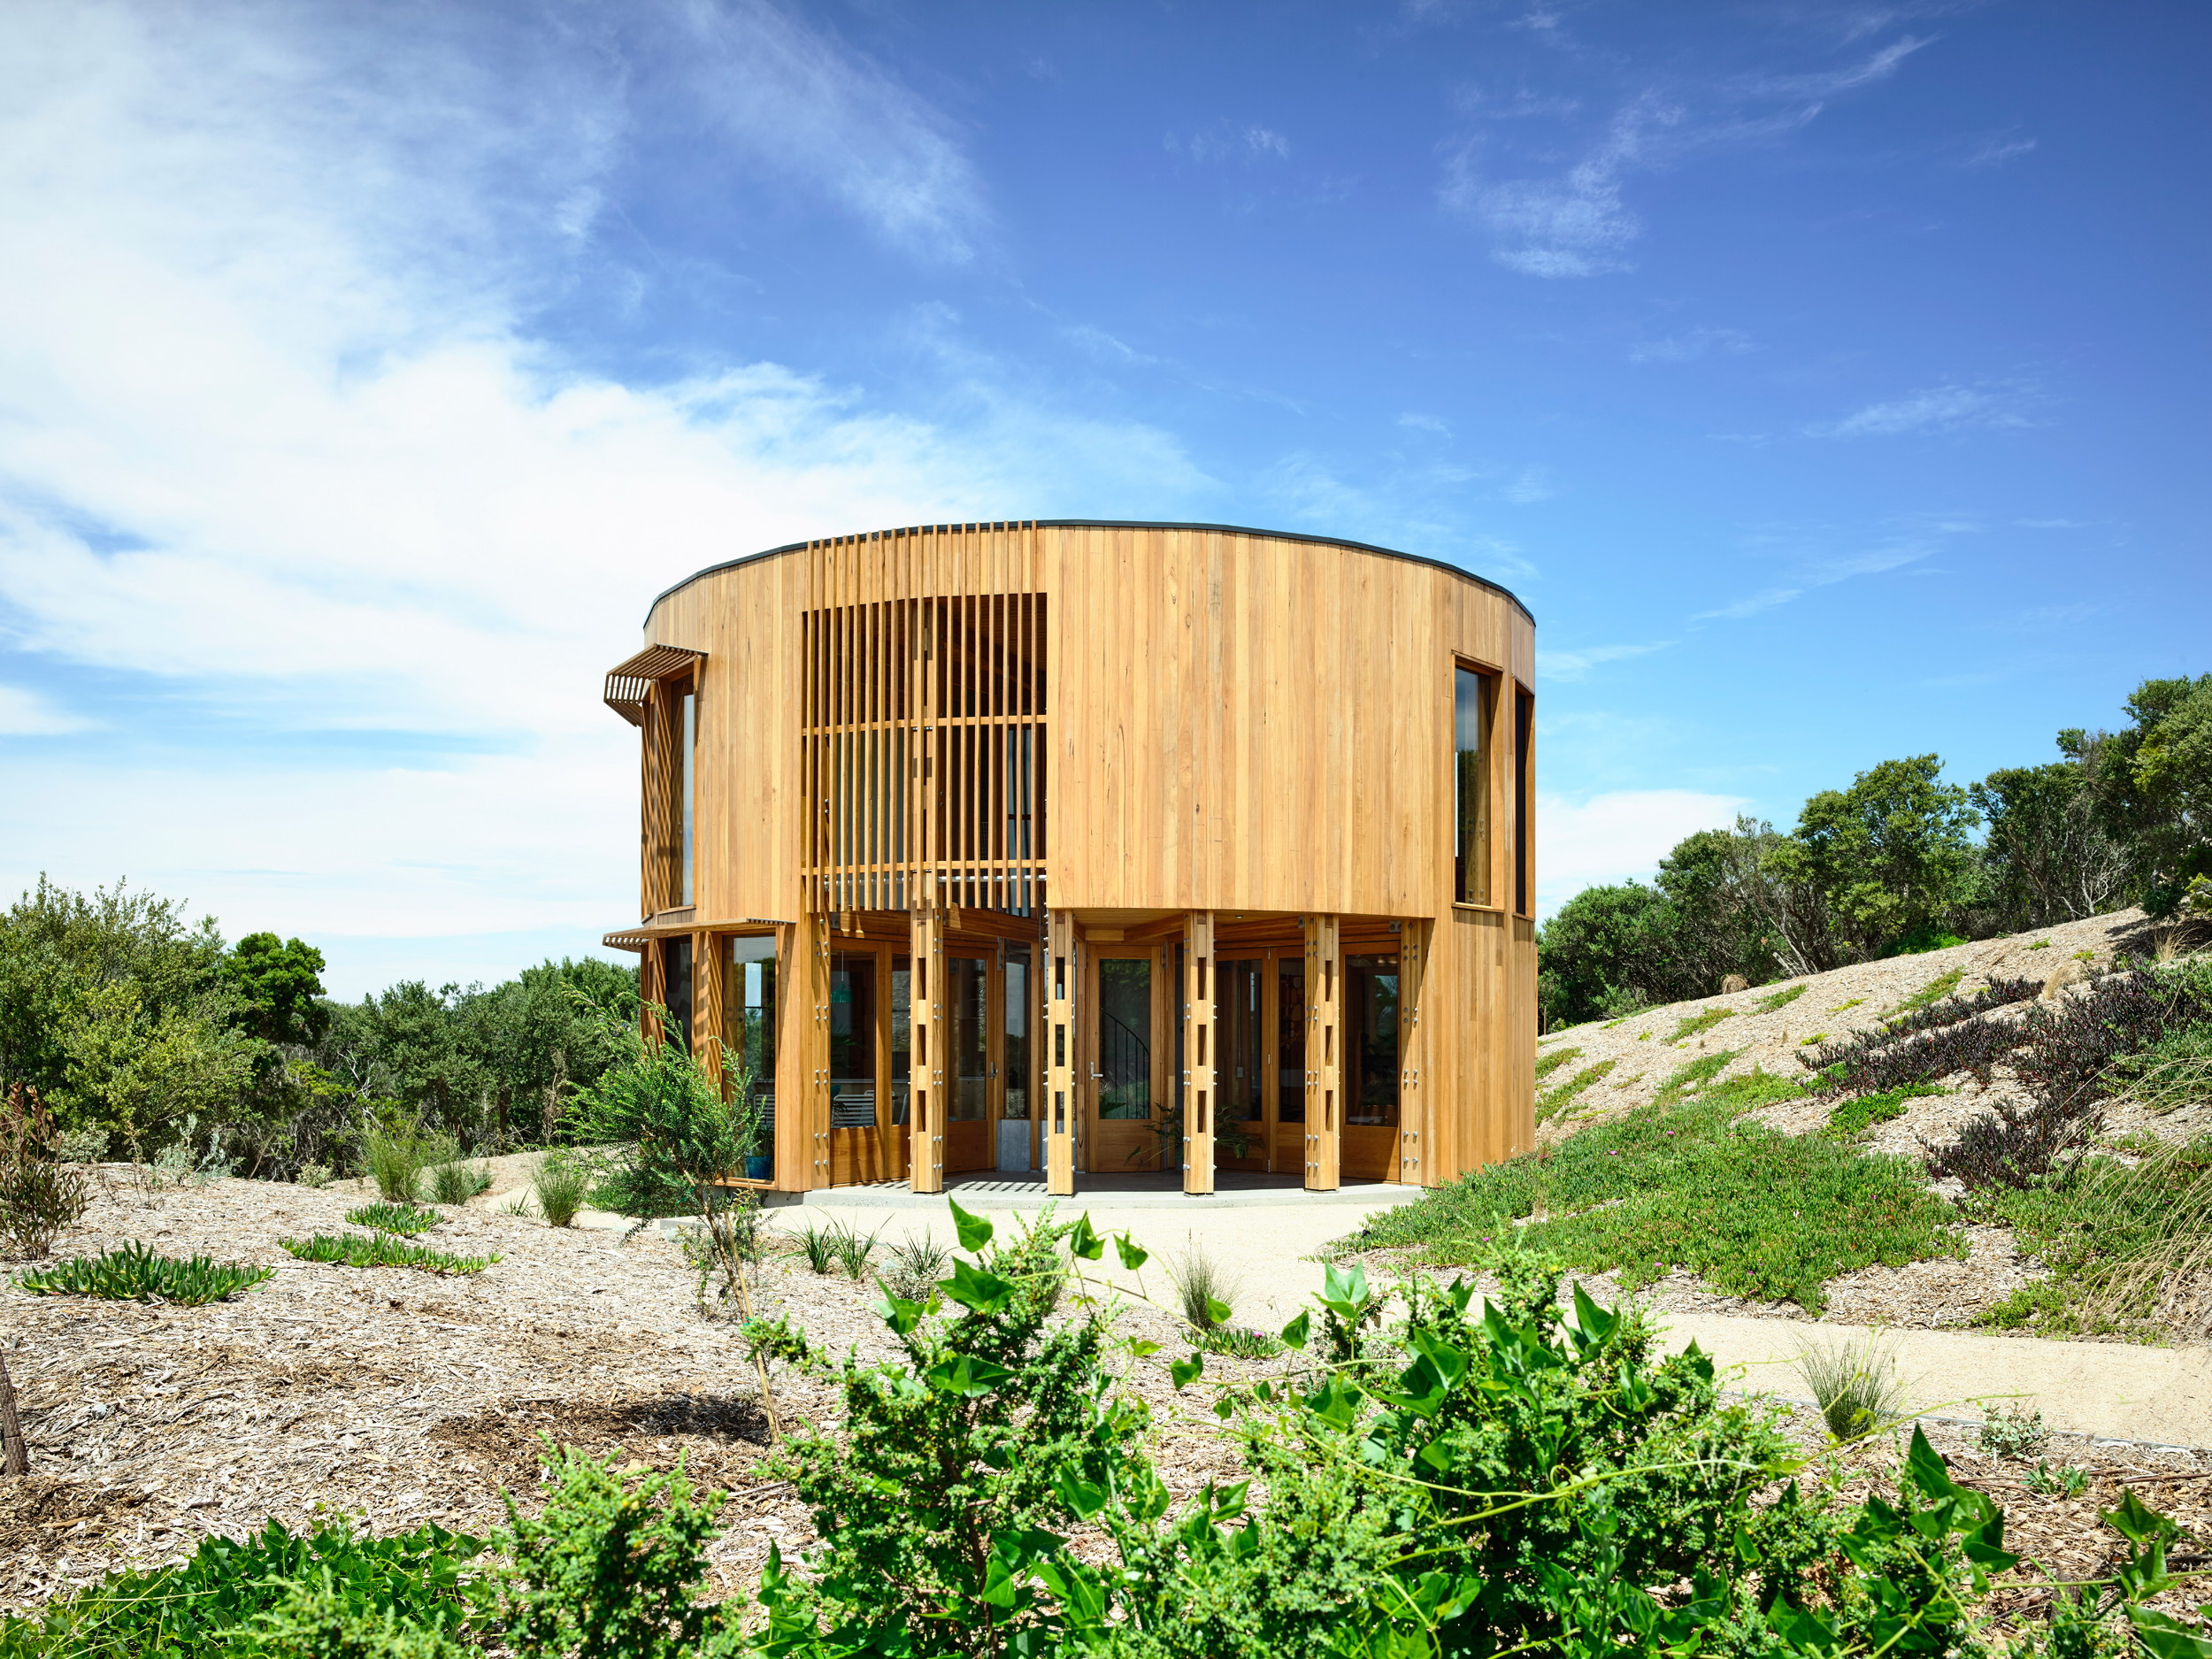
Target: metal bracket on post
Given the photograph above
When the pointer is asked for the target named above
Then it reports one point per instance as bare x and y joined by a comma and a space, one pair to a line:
1198, 1053
1324, 1052
1061, 1104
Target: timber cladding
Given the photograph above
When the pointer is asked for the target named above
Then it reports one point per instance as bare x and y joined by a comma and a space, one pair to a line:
1125, 726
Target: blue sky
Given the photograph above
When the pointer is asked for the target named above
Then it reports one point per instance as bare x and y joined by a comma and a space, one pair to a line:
1828, 378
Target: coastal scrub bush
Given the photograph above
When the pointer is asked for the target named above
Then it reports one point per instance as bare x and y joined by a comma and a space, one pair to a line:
42, 1196
133, 1272
397, 1153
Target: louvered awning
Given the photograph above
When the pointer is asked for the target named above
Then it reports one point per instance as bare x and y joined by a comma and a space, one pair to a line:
627, 681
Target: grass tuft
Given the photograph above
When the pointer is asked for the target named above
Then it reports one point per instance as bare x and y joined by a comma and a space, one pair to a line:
1553, 1100
1696, 1023
915, 1266
1781, 999
381, 1249
1854, 1384
457, 1183
1205, 1291
133, 1272
561, 1185
1548, 1064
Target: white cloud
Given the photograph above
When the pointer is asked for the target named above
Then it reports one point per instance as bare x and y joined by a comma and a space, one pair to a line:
1689, 345
275, 438
1579, 223
1820, 573
1229, 141
1574, 664
25, 713
1946, 408
1995, 152
1616, 835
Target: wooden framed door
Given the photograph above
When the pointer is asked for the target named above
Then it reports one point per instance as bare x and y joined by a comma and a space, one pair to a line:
1243, 1111
867, 1123
971, 1018
1130, 1040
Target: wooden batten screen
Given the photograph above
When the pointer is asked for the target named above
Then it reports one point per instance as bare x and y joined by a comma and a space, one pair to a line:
925, 753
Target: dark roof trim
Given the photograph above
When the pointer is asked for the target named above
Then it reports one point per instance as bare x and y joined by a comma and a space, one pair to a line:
1109, 524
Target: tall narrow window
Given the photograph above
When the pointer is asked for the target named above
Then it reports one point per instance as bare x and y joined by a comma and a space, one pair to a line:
675, 982
1018, 993
749, 1027
1472, 696
687, 781
1524, 789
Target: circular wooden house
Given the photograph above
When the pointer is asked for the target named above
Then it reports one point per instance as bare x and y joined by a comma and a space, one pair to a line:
1095, 848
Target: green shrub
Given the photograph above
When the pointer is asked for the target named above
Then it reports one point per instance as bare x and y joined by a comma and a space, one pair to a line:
381, 1249
916, 1266
2011, 1434
233, 1597
133, 1272
407, 1219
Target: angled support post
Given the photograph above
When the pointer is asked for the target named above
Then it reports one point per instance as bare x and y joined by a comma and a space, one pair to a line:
1198, 1053
1324, 1052
1062, 1103
931, 1037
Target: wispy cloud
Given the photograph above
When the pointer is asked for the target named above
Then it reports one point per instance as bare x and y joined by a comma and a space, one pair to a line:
1950, 407
1616, 835
830, 116
25, 714
1995, 152
1689, 344
1579, 222
1228, 140
1575, 664
1813, 570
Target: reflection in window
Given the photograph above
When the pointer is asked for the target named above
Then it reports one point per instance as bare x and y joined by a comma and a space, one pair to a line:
749, 1023
1470, 785
1018, 1012
1371, 1039
1124, 1037
1524, 784
1236, 1008
1290, 1039
688, 782
969, 989
852, 1042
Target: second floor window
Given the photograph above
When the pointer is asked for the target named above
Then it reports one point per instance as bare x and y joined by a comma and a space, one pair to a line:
1474, 693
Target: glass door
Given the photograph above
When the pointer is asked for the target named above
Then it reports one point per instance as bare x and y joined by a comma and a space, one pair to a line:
968, 1076
1128, 1063
864, 1142
1241, 1117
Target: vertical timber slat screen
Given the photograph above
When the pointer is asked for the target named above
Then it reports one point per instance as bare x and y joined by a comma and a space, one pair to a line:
923, 741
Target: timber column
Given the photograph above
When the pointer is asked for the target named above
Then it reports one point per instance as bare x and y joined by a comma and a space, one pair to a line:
1413, 1117
1198, 1053
1324, 1051
930, 1032
1061, 1103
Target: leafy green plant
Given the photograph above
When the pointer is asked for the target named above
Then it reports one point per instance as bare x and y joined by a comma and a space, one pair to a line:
1238, 1341
406, 1220
1817, 1037
1783, 998
134, 1273
316, 1175
381, 1249
2008, 1433
1854, 1384
1934, 991
230, 1596
80, 1146
678, 1131
2066, 1481
915, 1266
456, 1183
561, 1184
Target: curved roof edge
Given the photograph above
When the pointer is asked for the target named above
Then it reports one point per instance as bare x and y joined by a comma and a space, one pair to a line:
1116, 524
